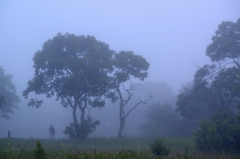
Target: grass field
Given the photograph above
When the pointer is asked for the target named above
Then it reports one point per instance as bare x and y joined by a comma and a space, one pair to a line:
100, 148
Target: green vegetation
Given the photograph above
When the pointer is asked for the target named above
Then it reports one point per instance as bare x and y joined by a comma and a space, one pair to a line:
221, 133
159, 147
39, 151
100, 148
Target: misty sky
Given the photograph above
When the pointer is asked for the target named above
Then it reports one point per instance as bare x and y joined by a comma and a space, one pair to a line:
170, 34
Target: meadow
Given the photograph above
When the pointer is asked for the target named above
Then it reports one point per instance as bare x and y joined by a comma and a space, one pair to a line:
102, 148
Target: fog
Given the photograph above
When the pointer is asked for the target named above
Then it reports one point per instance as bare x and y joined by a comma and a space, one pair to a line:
170, 34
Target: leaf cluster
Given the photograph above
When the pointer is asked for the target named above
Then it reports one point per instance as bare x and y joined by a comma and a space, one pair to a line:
126, 63
225, 43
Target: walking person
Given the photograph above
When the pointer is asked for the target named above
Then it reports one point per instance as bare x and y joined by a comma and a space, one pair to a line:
52, 132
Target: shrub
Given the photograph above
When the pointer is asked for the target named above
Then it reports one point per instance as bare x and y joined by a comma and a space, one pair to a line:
159, 147
39, 151
220, 133
83, 129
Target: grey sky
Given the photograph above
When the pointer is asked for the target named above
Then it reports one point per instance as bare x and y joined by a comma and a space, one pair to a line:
170, 34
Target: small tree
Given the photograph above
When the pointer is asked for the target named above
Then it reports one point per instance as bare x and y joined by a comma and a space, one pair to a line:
127, 64
39, 151
8, 96
159, 147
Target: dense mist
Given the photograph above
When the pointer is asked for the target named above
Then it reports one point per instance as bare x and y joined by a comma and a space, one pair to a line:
171, 35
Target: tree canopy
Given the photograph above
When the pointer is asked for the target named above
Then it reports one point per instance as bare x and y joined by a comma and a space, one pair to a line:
225, 44
127, 64
217, 85
74, 69
8, 95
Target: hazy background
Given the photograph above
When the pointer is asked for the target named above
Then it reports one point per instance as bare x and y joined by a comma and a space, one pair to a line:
170, 34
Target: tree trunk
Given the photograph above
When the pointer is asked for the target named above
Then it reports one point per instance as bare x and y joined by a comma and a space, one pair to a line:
75, 120
122, 122
82, 108
82, 115
120, 132
121, 128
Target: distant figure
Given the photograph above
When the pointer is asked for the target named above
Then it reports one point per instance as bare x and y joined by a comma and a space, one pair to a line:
52, 131
9, 134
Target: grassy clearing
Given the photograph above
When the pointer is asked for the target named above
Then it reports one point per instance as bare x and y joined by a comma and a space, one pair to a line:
101, 148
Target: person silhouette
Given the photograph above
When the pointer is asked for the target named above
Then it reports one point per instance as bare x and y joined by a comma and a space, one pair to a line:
52, 131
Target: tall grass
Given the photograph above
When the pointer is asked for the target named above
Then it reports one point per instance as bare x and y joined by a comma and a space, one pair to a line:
102, 148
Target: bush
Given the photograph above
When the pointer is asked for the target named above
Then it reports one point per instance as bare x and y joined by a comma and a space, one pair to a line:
220, 133
159, 147
39, 151
82, 130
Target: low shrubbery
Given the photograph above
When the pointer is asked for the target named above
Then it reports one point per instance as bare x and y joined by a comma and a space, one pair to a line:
39, 151
84, 129
221, 133
159, 147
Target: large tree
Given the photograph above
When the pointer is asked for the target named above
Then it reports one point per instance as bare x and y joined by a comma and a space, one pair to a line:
221, 79
127, 65
8, 96
74, 69
217, 85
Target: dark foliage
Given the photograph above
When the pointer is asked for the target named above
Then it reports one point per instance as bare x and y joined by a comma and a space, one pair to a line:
221, 133
84, 129
159, 147
39, 151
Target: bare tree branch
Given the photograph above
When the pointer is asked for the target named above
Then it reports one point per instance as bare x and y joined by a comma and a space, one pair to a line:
140, 102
